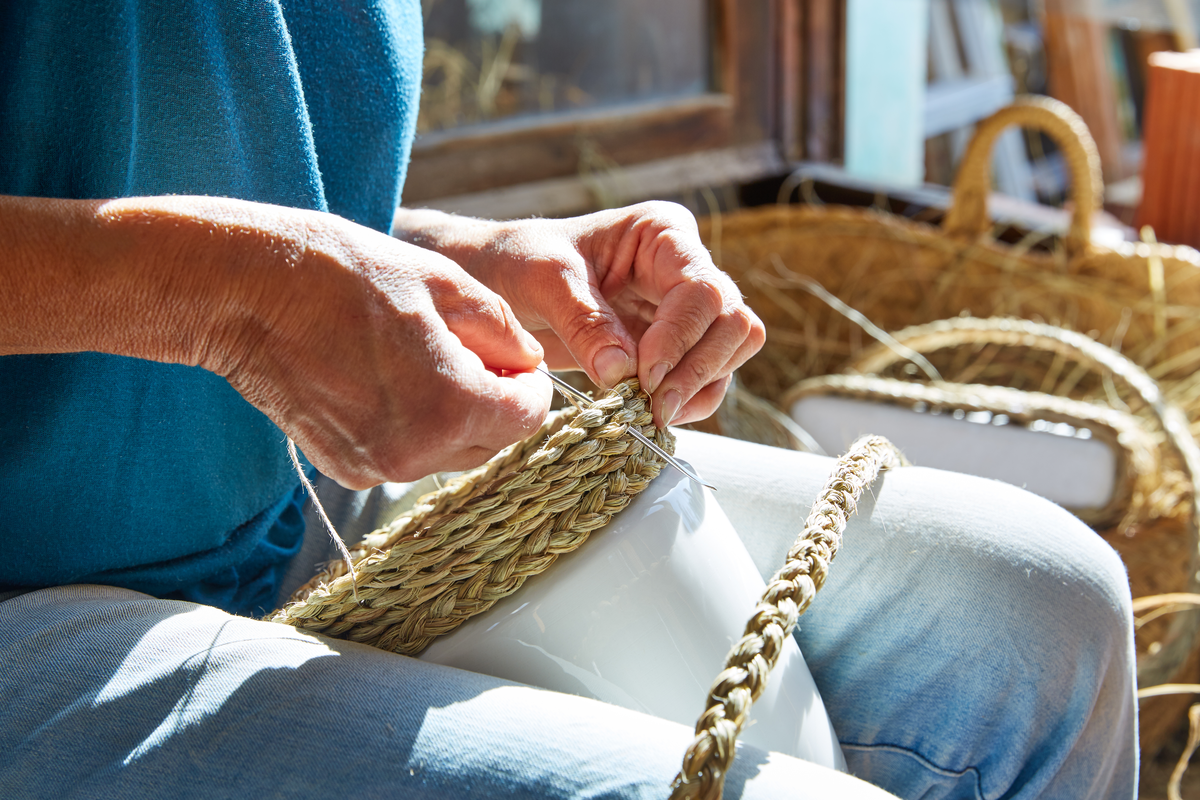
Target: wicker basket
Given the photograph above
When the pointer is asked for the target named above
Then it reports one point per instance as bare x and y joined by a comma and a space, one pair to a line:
479, 538
1142, 299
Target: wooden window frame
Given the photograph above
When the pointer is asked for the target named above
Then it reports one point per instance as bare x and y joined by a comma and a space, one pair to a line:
774, 61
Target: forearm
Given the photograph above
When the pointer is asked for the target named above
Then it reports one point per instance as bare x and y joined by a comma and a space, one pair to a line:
369, 352
143, 277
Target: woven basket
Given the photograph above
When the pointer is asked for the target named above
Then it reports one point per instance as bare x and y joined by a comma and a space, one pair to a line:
1143, 299
1158, 465
478, 539
462, 548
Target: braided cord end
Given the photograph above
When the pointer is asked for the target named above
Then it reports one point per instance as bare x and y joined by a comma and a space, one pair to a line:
787, 596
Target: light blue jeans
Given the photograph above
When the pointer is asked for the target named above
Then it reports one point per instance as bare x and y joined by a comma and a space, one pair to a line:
973, 641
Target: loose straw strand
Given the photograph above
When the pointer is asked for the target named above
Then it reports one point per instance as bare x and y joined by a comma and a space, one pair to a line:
333, 534
787, 596
857, 317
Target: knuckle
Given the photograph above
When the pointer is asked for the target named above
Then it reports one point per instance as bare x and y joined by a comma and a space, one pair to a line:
442, 287
527, 421
696, 374
672, 213
558, 270
751, 334
497, 311
584, 325
741, 322
709, 295
757, 336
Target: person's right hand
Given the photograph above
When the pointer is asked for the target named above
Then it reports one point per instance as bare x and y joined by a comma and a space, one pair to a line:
382, 360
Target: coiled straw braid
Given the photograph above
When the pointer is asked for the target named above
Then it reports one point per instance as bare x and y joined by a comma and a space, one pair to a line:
483, 535
787, 596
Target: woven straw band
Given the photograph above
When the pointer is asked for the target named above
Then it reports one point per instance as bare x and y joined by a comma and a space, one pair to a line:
478, 539
1073, 347
787, 596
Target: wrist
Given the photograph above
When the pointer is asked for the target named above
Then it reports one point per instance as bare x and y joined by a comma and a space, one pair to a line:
199, 271
469, 242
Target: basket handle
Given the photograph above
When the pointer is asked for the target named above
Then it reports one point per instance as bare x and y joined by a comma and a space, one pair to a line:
968, 215
788, 595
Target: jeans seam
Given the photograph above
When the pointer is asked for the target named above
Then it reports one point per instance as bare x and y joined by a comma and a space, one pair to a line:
924, 762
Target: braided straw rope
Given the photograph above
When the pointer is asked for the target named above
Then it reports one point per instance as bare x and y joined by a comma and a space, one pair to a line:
951, 334
787, 596
482, 536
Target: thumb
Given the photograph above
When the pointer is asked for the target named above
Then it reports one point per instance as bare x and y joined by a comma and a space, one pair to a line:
485, 324
592, 333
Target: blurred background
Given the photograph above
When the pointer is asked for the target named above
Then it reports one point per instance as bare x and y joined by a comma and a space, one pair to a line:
559, 108
737, 107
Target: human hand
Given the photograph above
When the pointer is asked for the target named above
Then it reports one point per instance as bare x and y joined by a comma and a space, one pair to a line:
618, 293
385, 361
382, 360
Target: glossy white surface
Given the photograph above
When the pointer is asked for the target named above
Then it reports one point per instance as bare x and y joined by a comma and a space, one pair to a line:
643, 616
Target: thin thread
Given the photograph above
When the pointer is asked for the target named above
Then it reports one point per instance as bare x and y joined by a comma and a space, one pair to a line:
333, 534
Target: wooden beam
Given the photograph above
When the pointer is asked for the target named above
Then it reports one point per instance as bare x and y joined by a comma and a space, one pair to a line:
1080, 75
790, 73
507, 154
954, 104
824, 79
1171, 174
579, 194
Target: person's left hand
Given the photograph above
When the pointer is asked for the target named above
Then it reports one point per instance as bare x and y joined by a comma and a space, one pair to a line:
617, 293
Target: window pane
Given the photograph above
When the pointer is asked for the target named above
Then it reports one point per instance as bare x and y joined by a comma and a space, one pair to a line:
493, 59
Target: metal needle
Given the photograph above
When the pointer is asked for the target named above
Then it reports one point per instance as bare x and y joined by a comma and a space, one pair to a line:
573, 394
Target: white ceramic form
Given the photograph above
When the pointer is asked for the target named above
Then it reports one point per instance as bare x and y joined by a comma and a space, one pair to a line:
643, 616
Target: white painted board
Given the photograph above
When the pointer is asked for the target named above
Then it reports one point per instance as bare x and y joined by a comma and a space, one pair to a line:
886, 65
1071, 471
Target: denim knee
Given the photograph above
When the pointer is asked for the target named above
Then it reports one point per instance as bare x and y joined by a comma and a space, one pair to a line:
976, 640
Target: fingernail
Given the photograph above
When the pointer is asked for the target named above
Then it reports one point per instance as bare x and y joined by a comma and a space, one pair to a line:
671, 404
612, 365
657, 373
531, 341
